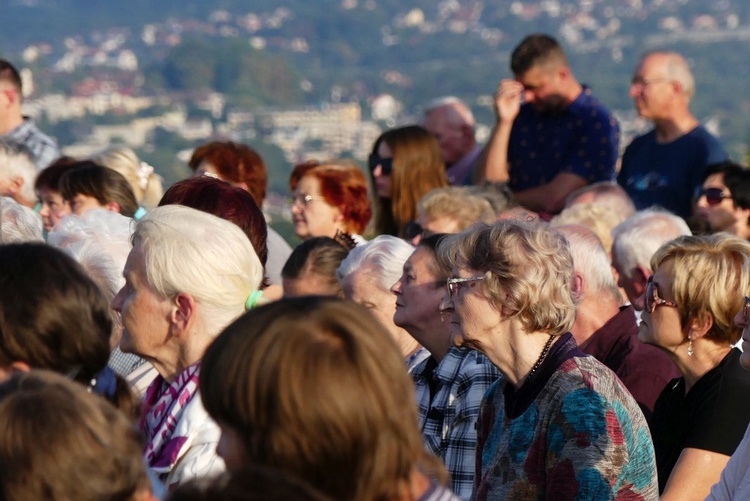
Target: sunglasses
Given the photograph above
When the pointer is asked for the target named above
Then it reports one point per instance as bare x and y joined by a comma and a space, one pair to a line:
714, 196
652, 297
386, 164
454, 283
746, 311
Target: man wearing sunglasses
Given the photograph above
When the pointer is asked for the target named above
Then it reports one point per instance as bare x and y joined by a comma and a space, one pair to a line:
16, 129
666, 165
724, 200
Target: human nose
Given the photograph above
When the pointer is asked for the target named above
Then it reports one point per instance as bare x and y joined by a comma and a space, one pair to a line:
446, 303
396, 288
44, 210
377, 171
635, 89
118, 300
702, 202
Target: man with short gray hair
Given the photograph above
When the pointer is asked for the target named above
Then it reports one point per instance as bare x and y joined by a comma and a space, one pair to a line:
608, 331
667, 165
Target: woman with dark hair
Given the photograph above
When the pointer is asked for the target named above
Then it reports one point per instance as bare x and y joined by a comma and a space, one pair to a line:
90, 186
405, 165
59, 443
53, 206
315, 387
328, 200
53, 316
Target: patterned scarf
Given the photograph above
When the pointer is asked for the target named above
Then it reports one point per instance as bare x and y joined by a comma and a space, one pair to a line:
163, 408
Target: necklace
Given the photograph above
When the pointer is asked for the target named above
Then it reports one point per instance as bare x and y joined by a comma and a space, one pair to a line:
541, 358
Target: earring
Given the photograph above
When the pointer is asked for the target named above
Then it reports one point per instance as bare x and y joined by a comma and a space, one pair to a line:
690, 348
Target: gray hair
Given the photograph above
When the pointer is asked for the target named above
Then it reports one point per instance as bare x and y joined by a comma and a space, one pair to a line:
18, 223
676, 68
637, 239
460, 112
606, 193
590, 259
16, 161
189, 251
384, 254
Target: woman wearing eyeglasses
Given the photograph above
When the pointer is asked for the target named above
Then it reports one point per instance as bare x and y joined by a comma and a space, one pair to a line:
329, 200
405, 164
724, 201
690, 302
558, 424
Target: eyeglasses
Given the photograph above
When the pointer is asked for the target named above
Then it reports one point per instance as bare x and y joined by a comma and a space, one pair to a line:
386, 164
652, 297
714, 196
746, 311
303, 200
455, 282
644, 82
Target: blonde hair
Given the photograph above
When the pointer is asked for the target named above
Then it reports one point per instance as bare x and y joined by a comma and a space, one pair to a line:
145, 183
316, 387
526, 267
456, 203
709, 274
601, 219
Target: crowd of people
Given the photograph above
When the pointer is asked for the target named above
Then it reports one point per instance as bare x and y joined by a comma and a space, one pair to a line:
534, 318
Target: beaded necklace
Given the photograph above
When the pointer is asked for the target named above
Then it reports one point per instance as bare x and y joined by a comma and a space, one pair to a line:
541, 358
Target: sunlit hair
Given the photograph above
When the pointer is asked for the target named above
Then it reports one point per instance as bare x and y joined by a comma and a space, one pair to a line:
455, 203
497, 194
601, 219
105, 185
343, 187
591, 260
225, 201
537, 50
189, 251
317, 387
318, 256
606, 193
16, 161
90, 450
384, 256
636, 240
708, 272
417, 169
145, 183
19, 223
527, 269
236, 163
676, 68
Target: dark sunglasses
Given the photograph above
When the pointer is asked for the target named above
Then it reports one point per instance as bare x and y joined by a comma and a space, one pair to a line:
386, 164
714, 196
652, 297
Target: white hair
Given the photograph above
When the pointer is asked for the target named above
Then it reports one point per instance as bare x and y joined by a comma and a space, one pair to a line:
637, 239
606, 193
100, 241
15, 161
460, 113
193, 252
18, 223
384, 254
145, 183
590, 259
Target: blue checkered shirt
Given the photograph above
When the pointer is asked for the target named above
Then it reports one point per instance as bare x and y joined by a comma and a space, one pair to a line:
42, 148
448, 420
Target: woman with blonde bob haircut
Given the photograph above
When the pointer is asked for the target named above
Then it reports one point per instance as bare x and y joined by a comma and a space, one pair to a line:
557, 414
690, 304
315, 386
59, 442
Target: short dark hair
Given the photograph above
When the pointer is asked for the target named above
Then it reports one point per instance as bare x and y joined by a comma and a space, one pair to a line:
49, 178
106, 185
736, 178
9, 73
534, 50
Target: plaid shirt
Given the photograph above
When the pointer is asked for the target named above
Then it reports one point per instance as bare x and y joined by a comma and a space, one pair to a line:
448, 420
42, 148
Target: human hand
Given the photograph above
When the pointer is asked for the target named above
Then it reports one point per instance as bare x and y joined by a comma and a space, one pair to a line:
508, 100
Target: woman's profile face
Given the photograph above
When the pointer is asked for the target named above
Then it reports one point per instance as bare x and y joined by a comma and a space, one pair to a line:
660, 323
382, 179
54, 207
311, 214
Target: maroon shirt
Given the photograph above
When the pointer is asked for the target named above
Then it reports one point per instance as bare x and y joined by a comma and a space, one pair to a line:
644, 369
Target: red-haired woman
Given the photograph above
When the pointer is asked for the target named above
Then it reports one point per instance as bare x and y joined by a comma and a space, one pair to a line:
329, 200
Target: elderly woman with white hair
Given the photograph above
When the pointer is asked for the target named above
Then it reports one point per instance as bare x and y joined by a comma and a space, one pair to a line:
187, 277
366, 277
18, 223
558, 424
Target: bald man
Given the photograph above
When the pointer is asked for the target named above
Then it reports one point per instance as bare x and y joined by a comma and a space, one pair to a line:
667, 165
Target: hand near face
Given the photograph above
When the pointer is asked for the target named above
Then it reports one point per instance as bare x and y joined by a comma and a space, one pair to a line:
508, 100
